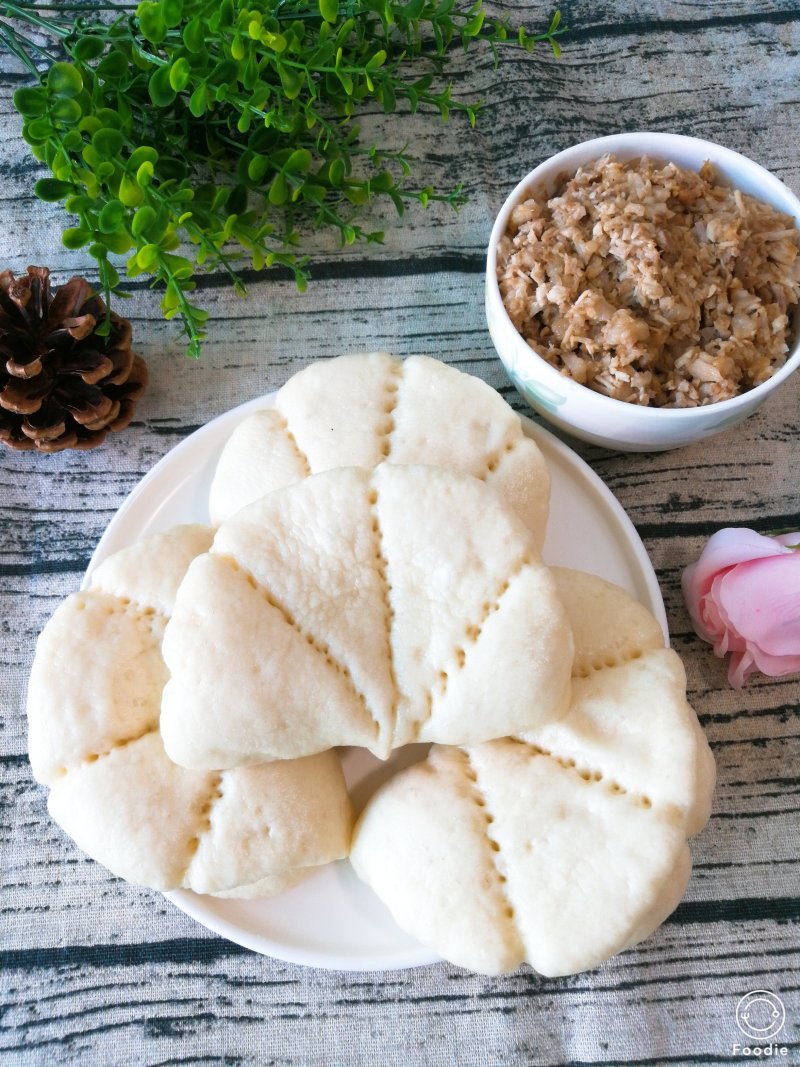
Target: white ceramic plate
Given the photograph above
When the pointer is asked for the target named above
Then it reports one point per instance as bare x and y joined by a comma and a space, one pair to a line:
331, 919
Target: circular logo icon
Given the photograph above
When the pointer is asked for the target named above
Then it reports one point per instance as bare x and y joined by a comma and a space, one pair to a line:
760, 1015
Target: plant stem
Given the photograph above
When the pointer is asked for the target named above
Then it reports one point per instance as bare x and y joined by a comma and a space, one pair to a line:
27, 14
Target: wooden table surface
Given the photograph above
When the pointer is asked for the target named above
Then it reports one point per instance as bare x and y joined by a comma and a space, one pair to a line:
96, 971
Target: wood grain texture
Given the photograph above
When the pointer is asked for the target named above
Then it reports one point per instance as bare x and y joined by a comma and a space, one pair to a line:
95, 971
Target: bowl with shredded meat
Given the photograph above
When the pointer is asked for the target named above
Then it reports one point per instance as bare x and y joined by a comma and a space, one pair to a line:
642, 290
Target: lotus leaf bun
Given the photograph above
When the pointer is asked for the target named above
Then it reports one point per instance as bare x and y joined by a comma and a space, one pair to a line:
362, 410
363, 607
93, 709
567, 843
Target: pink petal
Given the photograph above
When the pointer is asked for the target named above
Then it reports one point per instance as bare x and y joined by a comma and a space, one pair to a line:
712, 623
724, 549
740, 667
761, 601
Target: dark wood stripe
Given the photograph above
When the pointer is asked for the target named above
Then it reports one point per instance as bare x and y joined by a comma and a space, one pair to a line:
679, 528
681, 27
212, 949
44, 566
346, 269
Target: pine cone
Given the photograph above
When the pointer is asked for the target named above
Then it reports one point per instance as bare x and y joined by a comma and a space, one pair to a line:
62, 385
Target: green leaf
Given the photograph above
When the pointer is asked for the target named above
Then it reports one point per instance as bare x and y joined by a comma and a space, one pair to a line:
110, 218
72, 141
111, 276
377, 60
249, 76
144, 175
86, 49
356, 194
30, 102
113, 67
238, 49
313, 192
161, 92
194, 35
152, 22
109, 117
278, 190
90, 124
65, 111
387, 97
299, 162
179, 74
132, 267
344, 32
336, 173
171, 298
81, 202
291, 81
473, 27
257, 168
130, 193
143, 221
276, 42
172, 11
382, 182
219, 198
51, 190
198, 101
237, 201
64, 79
329, 9
118, 243
107, 143
180, 267
143, 154
148, 256
75, 237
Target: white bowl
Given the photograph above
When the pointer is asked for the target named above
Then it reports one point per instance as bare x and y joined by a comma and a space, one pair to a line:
577, 409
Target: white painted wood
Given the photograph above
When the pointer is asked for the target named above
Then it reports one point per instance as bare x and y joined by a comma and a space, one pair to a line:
95, 971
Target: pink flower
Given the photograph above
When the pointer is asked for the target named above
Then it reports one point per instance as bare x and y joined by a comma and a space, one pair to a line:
743, 595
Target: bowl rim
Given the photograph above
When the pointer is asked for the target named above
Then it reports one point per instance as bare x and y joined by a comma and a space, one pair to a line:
564, 383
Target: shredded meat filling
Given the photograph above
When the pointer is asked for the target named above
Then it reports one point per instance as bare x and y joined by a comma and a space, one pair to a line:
651, 283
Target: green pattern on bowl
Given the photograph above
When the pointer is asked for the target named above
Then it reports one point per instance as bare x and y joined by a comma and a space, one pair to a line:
541, 395
729, 420
531, 388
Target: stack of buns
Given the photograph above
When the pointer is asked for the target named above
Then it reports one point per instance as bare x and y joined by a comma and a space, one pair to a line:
374, 579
